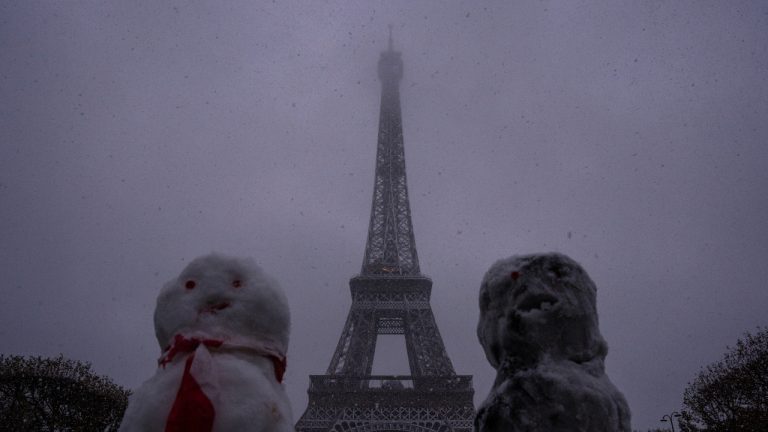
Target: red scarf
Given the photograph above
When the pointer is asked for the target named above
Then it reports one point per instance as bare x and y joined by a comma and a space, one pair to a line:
192, 410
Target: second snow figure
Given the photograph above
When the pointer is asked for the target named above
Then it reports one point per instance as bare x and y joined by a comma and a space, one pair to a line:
223, 328
538, 327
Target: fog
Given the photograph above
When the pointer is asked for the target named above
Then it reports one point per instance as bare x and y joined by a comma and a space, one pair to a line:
135, 136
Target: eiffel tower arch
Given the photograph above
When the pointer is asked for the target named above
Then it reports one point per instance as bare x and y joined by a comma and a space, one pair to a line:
390, 296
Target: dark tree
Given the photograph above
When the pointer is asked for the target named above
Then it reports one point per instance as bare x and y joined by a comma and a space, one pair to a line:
57, 394
731, 394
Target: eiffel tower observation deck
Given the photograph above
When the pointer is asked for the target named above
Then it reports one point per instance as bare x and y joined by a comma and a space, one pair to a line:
390, 296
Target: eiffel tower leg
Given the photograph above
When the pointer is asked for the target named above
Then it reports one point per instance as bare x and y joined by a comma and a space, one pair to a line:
426, 352
357, 345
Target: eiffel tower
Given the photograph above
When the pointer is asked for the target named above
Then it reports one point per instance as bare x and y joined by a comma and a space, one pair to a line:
389, 296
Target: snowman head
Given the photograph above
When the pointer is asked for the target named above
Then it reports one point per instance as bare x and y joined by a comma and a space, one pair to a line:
223, 297
539, 306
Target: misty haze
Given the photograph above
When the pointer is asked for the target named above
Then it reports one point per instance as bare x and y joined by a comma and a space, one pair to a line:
629, 136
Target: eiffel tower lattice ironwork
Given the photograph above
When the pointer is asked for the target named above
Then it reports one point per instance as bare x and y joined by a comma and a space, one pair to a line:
390, 296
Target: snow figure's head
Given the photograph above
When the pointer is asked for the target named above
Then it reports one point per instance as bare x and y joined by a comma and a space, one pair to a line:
222, 296
534, 307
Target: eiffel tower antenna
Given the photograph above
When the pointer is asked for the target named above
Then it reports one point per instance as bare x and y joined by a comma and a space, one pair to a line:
389, 296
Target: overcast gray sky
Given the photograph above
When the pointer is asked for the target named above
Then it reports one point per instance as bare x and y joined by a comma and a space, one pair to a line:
135, 136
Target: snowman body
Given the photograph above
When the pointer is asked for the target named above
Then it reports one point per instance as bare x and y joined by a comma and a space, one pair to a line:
539, 329
223, 327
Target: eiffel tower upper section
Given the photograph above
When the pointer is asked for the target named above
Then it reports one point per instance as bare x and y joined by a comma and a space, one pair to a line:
391, 247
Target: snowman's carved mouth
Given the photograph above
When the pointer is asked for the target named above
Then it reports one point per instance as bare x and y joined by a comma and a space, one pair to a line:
214, 308
537, 302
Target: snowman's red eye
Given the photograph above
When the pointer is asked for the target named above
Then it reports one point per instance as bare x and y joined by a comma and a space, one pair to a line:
236, 283
514, 275
190, 284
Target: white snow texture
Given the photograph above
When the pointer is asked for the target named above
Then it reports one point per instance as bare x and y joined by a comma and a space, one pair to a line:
539, 329
230, 300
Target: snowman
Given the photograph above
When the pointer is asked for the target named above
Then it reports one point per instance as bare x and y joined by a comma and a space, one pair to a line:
539, 329
223, 329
